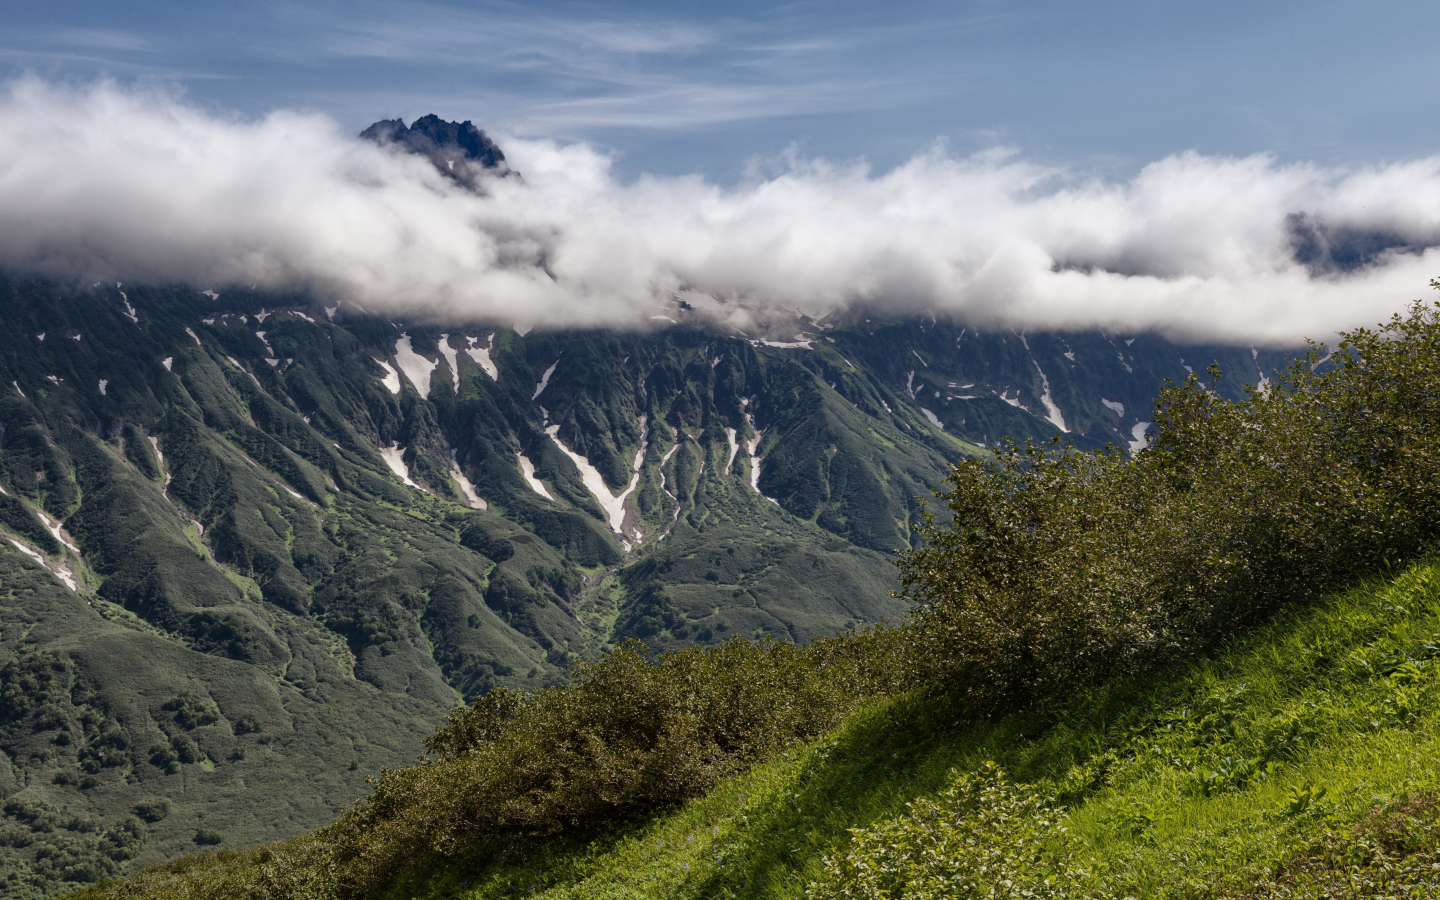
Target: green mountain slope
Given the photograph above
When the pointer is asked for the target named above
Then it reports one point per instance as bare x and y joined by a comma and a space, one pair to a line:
256, 548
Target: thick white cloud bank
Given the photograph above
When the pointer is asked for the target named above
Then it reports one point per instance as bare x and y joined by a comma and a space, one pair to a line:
134, 185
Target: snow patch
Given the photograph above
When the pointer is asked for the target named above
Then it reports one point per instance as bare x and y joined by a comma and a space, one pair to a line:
1264, 384
261, 336
261, 316
57, 530
1070, 355
54, 379
76, 337
752, 448
17, 388
544, 381
800, 344
1121, 357
394, 456
330, 311
1138, 434
527, 468
416, 367
481, 355
613, 505
104, 382
472, 499
1051, 409
734, 449
193, 336
391, 379
919, 357
910, 384
41, 336
303, 316
453, 359
1114, 406
167, 362
211, 294
272, 361
33, 554
61, 572
934, 420
129, 310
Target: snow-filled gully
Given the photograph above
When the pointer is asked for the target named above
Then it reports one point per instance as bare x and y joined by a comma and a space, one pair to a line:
394, 456
613, 504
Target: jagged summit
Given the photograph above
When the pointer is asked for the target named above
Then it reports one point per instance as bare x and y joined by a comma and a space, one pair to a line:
456, 148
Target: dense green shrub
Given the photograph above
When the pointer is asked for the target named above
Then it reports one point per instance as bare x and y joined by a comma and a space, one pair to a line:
1393, 852
983, 836
153, 810
630, 735
1054, 568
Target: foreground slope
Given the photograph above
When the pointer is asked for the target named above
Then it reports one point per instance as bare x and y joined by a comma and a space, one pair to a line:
1304, 758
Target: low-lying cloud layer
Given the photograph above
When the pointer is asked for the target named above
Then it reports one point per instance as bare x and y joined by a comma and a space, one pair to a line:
136, 185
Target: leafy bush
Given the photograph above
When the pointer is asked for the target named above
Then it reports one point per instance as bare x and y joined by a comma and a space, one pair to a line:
153, 810
208, 837
1393, 852
1055, 568
983, 836
630, 735
248, 723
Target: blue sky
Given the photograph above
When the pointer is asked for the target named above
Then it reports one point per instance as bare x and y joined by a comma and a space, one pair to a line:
705, 87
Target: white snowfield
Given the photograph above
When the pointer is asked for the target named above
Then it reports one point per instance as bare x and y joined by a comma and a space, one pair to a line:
1138, 433
391, 380
614, 505
1114, 406
544, 381
527, 468
481, 355
452, 358
394, 456
752, 448
934, 419
472, 499
416, 367
1052, 411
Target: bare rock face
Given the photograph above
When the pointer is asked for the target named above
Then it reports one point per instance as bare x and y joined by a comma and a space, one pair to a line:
458, 150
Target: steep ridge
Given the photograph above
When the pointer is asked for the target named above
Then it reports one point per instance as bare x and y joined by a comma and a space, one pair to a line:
258, 546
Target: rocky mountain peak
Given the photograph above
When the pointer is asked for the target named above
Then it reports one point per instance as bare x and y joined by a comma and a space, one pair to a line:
459, 150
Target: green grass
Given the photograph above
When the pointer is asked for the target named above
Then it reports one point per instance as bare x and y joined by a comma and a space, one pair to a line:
1142, 765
